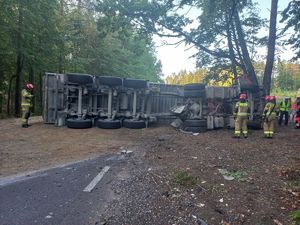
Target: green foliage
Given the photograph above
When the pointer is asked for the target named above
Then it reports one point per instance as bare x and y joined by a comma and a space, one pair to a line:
283, 93
184, 179
212, 27
285, 78
239, 176
288, 76
291, 15
184, 77
295, 217
219, 76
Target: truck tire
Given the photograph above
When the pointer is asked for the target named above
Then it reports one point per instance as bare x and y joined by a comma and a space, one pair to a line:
79, 123
135, 83
195, 123
82, 79
195, 129
134, 124
197, 86
108, 124
109, 81
194, 93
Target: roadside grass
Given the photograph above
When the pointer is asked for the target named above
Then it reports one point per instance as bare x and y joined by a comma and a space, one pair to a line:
184, 179
239, 176
295, 217
292, 177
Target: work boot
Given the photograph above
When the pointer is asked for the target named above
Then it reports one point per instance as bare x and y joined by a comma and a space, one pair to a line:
245, 136
235, 136
25, 125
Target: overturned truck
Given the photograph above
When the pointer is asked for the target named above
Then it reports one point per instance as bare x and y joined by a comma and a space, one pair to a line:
108, 102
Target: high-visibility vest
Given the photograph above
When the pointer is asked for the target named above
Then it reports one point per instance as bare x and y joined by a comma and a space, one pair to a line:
242, 109
285, 106
26, 98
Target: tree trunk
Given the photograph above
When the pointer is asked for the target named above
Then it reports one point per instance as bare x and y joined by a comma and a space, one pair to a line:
19, 60
61, 51
271, 48
245, 52
18, 83
235, 41
31, 80
2, 92
231, 51
9, 94
31, 74
41, 91
1, 103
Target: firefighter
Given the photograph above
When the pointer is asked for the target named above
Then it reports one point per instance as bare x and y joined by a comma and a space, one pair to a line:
241, 114
269, 116
26, 104
297, 118
284, 108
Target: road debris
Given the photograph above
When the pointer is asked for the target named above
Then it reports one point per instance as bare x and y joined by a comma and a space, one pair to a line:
126, 152
225, 173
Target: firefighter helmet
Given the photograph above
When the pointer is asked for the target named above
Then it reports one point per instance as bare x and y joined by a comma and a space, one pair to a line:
29, 86
243, 96
272, 98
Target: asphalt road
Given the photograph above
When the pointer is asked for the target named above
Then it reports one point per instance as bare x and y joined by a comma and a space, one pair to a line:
56, 196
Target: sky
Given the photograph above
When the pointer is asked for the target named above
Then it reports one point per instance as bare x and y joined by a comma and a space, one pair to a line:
176, 58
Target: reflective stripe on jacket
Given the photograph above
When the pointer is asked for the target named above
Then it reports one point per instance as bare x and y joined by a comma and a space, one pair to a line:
26, 98
285, 106
270, 110
242, 109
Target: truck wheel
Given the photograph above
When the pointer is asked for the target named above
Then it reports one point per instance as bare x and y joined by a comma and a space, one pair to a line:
109, 81
195, 129
135, 83
79, 78
134, 124
79, 123
194, 93
195, 123
108, 124
197, 86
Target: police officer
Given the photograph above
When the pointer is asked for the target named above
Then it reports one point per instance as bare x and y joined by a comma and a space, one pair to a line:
26, 103
269, 116
284, 108
241, 113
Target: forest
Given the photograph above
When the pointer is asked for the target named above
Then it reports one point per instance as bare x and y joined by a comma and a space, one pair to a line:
115, 38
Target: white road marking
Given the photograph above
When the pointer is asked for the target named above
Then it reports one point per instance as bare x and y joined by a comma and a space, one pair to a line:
95, 181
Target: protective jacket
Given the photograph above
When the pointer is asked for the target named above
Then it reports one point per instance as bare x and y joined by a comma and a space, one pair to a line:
26, 98
285, 106
242, 109
270, 111
241, 112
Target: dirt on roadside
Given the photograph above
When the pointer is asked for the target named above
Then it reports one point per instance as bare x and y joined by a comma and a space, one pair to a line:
175, 178
181, 180
45, 145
